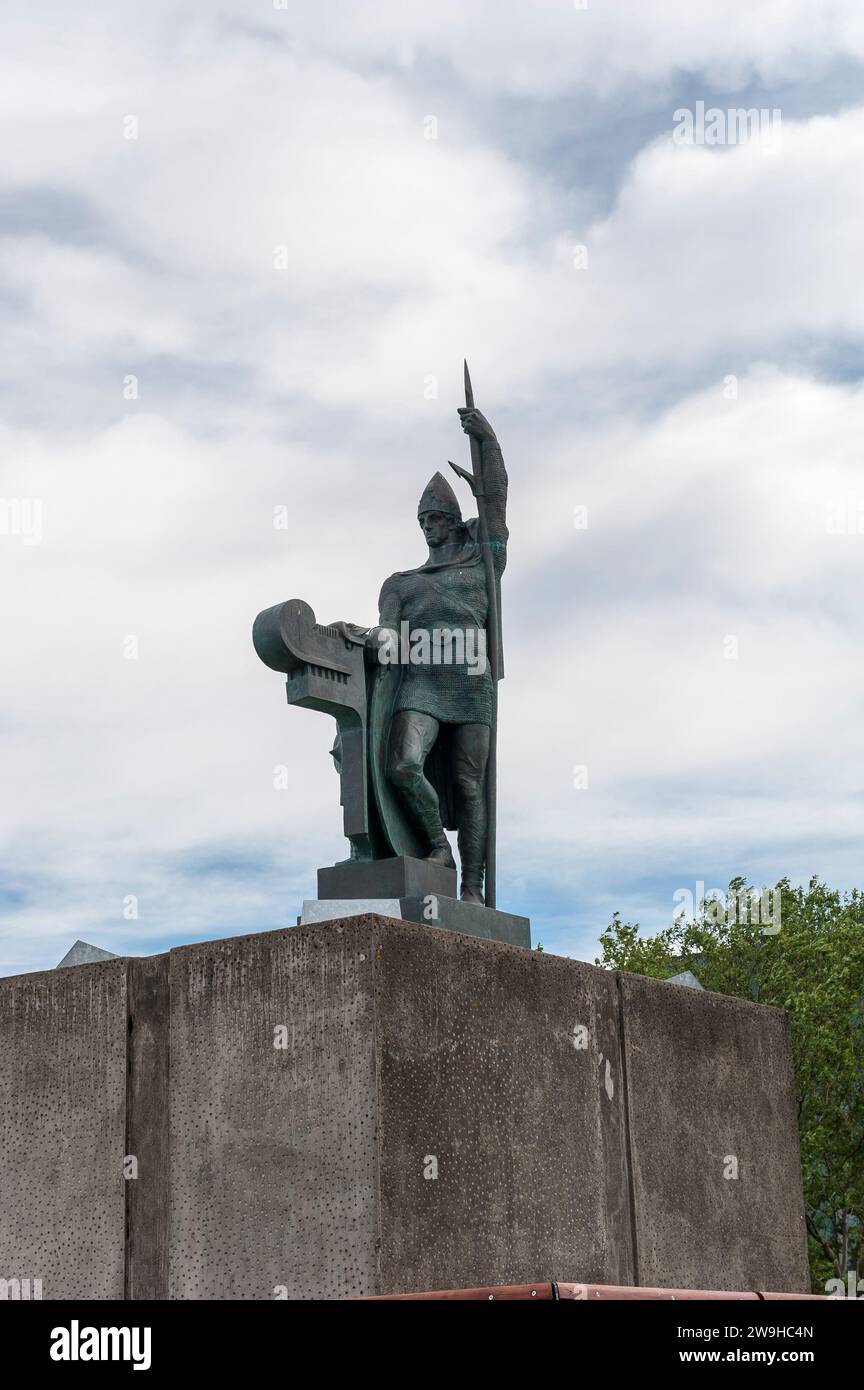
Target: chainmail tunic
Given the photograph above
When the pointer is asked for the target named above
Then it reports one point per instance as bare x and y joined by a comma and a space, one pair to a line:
445, 600
451, 595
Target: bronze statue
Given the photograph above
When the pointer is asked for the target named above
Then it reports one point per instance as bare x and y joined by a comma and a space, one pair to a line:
450, 706
415, 698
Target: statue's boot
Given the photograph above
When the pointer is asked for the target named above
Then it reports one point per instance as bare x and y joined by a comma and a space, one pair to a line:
429, 821
442, 854
472, 850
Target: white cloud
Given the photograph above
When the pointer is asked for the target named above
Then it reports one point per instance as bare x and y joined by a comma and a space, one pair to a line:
305, 387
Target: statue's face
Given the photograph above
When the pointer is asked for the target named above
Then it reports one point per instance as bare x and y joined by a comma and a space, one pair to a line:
437, 527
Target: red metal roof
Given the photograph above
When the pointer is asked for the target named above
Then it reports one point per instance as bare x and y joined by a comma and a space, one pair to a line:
553, 1291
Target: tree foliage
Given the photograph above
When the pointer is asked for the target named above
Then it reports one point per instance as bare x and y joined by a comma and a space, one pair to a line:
813, 967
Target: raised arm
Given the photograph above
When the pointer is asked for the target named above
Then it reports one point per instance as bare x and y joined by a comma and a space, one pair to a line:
494, 482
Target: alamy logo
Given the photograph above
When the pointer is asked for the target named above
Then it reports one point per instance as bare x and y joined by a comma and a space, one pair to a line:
21, 516
21, 1289
836, 1288
76, 1343
437, 646
762, 908
737, 126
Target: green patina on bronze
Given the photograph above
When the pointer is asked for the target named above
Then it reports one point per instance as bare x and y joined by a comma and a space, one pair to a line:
416, 740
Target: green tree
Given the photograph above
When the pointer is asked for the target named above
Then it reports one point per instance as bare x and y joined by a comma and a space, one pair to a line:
813, 967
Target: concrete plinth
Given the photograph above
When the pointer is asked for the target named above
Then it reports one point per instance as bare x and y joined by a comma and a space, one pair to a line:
337, 909
713, 1122
63, 1129
450, 914
397, 877
369, 1106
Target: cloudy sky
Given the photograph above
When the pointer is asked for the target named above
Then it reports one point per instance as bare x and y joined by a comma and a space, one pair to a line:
245, 247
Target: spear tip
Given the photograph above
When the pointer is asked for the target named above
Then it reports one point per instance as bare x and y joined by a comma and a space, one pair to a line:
469, 390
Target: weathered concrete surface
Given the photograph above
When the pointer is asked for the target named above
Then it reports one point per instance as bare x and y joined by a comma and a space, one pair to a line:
302, 1167
62, 1129
273, 1137
337, 909
710, 1093
448, 914
369, 1106
147, 1100
502, 1067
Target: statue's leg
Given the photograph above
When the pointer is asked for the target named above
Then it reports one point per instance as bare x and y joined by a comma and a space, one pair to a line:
470, 758
412, 736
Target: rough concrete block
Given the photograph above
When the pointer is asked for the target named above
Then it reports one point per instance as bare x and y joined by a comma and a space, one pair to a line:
273, 1144
62, 1137
448, 914
147, 1100
309, 1167
503, 1065
337, 909
710, 1093
372, 1106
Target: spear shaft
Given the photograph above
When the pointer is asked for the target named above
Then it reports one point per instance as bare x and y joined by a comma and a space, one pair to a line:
493, 626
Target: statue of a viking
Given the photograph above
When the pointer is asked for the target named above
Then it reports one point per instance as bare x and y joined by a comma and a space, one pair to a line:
444, 708
415, 698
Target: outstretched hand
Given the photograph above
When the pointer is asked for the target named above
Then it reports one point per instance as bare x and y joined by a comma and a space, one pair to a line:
475, 423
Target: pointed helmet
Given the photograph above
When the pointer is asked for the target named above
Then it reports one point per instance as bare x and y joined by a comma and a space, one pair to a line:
438, 496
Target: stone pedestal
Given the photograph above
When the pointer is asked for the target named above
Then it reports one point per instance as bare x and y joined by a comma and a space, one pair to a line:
369, 1106
398, 877
450, 914
413, 890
